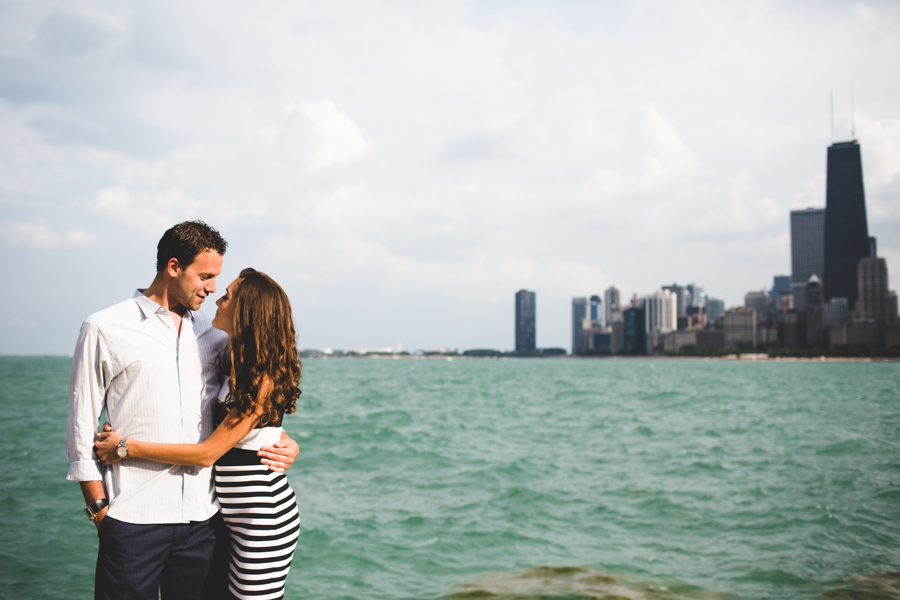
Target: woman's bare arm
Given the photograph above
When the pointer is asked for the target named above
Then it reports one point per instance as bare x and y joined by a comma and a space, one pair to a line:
205, 454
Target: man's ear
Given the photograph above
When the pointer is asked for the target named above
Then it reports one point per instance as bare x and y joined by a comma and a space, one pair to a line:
173, 267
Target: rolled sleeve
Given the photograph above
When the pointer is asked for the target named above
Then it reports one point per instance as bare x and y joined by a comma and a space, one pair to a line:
87, 389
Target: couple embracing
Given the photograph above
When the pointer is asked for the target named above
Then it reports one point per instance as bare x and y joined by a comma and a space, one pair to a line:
185, 484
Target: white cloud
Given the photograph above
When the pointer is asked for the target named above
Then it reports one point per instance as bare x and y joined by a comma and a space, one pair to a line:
327, 137
39, 235
148, 213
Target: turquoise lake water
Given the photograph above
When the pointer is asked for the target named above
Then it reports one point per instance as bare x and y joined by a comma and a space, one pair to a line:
533, 479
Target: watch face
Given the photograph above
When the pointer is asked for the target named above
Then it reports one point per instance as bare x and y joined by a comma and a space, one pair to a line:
122, 452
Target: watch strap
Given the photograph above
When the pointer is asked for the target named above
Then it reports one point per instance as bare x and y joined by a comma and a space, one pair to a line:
95, 507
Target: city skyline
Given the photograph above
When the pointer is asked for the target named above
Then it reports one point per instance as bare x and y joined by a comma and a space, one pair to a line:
400, 169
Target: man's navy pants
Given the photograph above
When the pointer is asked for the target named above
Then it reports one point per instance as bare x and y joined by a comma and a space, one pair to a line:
170, 561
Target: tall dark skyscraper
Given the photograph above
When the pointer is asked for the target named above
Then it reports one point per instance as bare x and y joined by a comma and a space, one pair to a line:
846, 229
525, 321
635, 334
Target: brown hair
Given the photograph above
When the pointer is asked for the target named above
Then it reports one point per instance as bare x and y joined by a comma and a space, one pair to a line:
185, 241
263, 344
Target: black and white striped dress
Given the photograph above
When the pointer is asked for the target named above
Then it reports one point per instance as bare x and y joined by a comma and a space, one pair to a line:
260, 511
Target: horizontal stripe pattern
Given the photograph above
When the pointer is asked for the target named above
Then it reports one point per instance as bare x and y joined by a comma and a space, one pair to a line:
260, 511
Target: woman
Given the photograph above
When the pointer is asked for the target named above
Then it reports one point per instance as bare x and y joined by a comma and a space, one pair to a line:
263, 370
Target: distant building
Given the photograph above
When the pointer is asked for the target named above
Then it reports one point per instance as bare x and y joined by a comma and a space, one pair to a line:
874, 302
892, 296
758, 301
846, 229
596, 309
695, 295
526, 329
579, 314
815, 313
781, 285
807, 250
634, 332
784, 302
836, 312
711, 339
587, 328
681, 302
661, 314
714, 308
789, 328
740, 328
618, 336
596, 340
613, 305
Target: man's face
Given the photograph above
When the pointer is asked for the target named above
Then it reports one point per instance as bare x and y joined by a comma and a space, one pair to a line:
197, 281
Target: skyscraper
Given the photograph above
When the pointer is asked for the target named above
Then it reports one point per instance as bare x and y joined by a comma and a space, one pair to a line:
781, 285
525, 321
695, 295
634, 330
874, 297
678, 292
759, 302
815, 313
579, 314
714, 307
596, 305
846, 229
661, 312
613, 305
807, 250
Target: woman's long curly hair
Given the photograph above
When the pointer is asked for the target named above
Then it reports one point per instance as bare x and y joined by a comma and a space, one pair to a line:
263, 344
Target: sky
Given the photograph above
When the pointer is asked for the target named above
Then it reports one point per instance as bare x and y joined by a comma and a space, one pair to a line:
403, 168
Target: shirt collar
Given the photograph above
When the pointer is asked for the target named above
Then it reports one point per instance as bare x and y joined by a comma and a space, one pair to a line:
149, 307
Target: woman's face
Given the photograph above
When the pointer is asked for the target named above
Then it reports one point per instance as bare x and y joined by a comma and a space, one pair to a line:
224, 318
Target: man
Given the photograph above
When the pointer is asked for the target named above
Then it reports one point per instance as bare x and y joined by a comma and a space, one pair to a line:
151, 363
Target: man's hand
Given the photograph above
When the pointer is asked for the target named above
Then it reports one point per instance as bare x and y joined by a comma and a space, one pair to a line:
106, 447
93, 491
99, 518
281, 455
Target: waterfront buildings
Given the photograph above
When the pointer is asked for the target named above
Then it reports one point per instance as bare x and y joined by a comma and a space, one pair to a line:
846, 230
579, 314
874, 302
815, 313
714, 308
596, 310
634, 331
681, 299
525, 322
612, 305
662, 312
836, 312
589, 335
781, 286
758, 301
695, 295
807, 250
740, 328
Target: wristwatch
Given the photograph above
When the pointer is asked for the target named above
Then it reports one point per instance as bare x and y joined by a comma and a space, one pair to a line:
122, 449
93, 508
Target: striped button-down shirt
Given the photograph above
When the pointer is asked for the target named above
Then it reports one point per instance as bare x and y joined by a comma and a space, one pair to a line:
156, 386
